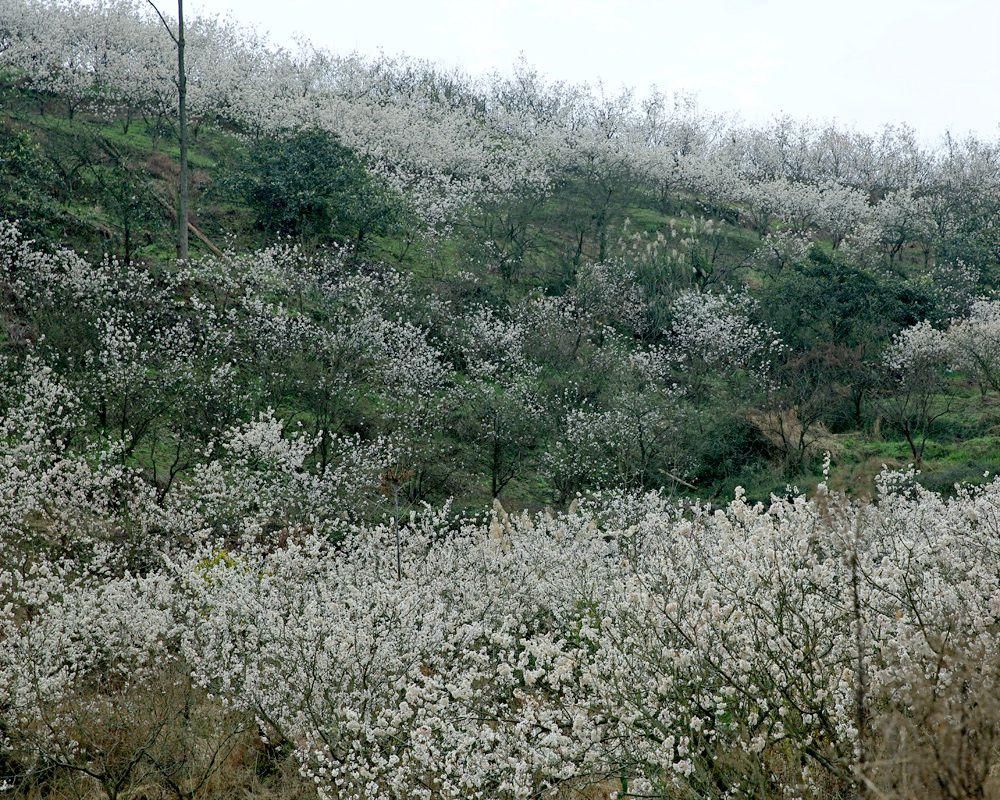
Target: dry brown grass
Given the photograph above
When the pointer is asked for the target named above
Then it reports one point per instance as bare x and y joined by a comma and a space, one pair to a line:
159, 740
166, 740
796, 442
943, 743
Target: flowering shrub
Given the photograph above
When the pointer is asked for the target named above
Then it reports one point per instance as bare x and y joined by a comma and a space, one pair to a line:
717, 335
974, 341
629, 644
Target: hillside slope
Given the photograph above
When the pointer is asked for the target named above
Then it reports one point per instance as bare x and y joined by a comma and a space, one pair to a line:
106, 186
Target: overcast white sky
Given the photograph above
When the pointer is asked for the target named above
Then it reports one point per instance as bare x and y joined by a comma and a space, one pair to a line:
932, 63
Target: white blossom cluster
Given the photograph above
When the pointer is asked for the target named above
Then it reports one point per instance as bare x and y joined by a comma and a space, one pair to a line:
629, 645
975, 343
715, 333
970, 344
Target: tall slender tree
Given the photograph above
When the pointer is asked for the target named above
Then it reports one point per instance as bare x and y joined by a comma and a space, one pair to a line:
181, 82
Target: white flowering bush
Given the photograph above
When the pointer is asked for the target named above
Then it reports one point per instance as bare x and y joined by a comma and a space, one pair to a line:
633, 444
916, 363
630, 645
974, 341
259, 482
716, 335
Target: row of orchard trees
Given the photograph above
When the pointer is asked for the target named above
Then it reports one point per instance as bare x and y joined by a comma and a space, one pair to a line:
450, 141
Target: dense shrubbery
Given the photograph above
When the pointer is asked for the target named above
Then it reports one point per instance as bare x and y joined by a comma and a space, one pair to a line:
309, 187
811, 647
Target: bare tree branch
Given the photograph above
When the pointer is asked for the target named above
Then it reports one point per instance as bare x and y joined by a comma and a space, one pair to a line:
163, 19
